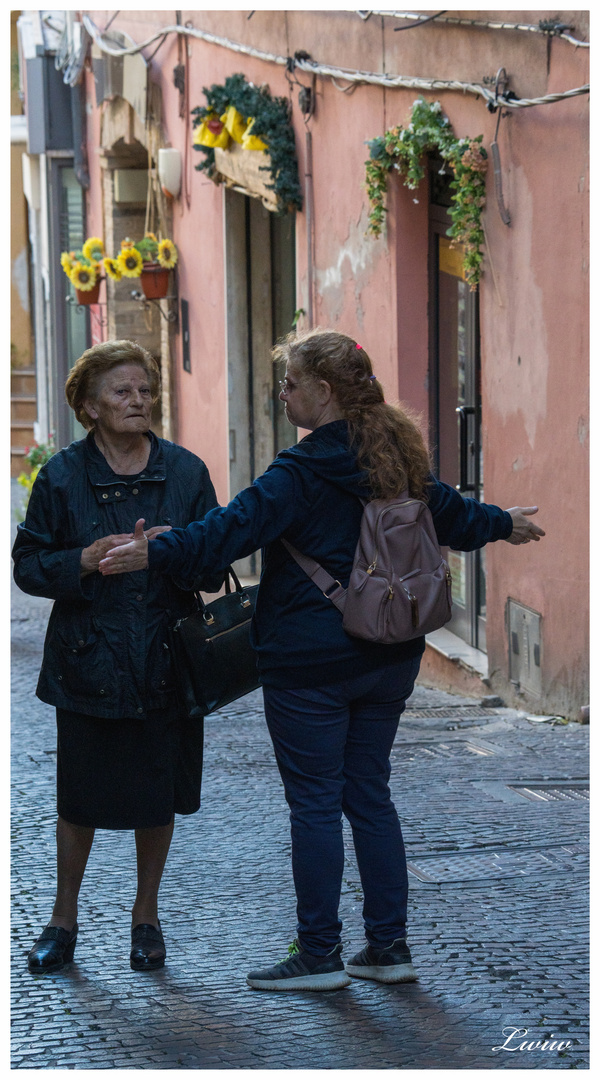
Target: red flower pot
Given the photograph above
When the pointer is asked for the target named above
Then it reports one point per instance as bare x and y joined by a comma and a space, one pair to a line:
155, 281
90, 296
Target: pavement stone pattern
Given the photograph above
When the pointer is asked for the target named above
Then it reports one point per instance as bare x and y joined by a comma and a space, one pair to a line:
497, 922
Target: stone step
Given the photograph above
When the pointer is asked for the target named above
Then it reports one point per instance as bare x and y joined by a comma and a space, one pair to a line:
22, 381
17, 461
23, 407
21, 433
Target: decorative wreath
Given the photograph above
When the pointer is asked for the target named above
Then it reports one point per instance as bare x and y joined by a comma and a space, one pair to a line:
249, 115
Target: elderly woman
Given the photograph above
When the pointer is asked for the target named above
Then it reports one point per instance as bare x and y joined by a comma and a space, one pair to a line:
127, 756
332, 701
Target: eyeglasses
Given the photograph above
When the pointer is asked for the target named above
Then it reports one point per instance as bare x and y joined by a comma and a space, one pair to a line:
285, 386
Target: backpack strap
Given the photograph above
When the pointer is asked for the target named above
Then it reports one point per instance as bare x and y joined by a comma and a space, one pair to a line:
329, 586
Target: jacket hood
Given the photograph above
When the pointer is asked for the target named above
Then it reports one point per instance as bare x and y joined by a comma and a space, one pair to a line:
326, 452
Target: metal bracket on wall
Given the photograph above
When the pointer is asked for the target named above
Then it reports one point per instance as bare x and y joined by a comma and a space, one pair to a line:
169, 316
501, 89
100, 318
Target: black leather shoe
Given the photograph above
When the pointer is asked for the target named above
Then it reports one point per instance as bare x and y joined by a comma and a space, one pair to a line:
53, 949
147, 948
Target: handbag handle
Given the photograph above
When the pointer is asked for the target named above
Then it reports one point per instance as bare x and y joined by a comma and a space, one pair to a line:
230, 575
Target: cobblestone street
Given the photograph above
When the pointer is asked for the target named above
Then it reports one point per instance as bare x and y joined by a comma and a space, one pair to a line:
495, 818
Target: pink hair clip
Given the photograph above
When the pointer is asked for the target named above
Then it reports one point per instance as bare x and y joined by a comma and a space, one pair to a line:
358, 346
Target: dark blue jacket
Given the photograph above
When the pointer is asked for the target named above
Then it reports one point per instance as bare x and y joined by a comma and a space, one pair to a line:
104, 652
311, 495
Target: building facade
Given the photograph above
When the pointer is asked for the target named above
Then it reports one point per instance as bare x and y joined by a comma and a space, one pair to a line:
499, 374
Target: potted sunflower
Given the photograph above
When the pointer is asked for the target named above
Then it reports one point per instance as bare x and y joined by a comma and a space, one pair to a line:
149, 259
83, 269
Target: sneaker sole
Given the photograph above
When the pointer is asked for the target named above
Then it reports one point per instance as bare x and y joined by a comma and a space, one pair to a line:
393, 973
332, 980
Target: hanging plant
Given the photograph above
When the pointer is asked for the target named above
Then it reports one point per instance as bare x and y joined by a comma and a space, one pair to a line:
83, 267
404, 149
249, 115
136, 256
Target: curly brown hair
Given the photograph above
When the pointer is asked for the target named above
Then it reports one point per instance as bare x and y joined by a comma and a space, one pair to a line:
388, 439
86, 373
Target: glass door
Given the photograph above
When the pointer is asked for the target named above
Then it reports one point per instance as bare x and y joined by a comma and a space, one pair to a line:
456, 411
70, 324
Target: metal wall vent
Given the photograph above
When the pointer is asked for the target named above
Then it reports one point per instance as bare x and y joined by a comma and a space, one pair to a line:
524, 638
472, 866
554, 793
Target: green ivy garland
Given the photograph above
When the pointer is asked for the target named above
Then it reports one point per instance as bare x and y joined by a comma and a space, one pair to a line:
404, 149
272, 123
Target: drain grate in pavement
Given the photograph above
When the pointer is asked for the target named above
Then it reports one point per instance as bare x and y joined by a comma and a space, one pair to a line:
451, 749
449, 712
552, 793
471, 866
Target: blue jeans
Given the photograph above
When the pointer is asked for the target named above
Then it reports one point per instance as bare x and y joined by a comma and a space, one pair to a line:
332, 745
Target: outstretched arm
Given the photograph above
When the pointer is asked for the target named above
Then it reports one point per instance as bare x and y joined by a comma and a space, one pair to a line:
255, 518
465, 524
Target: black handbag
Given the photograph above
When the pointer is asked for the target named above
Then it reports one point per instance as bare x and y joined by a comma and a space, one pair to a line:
213, 659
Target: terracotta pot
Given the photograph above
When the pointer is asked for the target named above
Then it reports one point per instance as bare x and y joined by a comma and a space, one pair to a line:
91, 296
155, 281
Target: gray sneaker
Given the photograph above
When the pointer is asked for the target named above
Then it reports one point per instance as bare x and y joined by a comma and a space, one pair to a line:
302, 971
391, 965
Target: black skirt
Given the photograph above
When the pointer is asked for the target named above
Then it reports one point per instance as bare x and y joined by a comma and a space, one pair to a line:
128, 773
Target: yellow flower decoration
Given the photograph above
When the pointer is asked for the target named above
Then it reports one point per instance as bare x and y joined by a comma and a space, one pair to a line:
167, 254
252, 142
67, 261
83, 277
212, 132
93, 249
112, 269
126, 243
130, 262
151, 236
234, 122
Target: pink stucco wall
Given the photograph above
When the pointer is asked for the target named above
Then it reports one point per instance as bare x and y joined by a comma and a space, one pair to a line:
533, 295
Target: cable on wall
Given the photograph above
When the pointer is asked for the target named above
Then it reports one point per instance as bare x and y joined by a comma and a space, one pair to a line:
552, 27
327, 70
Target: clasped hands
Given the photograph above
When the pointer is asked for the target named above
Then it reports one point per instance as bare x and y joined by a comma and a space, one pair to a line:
122, 552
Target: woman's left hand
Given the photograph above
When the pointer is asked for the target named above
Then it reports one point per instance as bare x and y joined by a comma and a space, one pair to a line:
128, 557
524, 530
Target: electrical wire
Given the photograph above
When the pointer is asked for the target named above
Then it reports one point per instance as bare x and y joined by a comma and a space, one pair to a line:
160, 44
349, 75
420, 22
490, 25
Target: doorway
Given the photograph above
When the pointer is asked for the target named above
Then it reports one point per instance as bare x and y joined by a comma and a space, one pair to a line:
260, 303
455, 403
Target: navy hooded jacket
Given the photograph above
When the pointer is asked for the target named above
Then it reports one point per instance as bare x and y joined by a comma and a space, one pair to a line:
311, 495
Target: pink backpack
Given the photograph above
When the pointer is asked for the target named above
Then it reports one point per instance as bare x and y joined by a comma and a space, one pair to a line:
400, 586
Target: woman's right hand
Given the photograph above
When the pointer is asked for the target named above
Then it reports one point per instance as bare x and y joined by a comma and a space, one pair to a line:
91, 556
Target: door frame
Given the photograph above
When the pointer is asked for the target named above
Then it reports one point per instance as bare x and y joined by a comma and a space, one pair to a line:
471, 626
